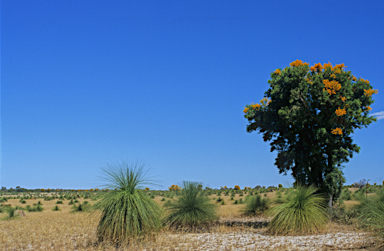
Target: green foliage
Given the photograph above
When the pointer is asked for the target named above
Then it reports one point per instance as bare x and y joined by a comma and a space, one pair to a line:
59, 202
127, 213
303, 211
309, 115
372, 212
35, 208
193, 209
345, 195
256, 205
11, 212
333, 183
56, 208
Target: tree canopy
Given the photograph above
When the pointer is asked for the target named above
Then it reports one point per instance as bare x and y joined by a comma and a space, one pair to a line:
309, 114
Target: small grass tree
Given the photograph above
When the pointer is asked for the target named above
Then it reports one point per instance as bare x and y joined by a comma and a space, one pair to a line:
302, 211
193, 209
127, 213
372, 212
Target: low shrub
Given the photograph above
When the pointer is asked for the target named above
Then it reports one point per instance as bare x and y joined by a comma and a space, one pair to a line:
256, 205
372, 212
303, 211
193, 209
56, 208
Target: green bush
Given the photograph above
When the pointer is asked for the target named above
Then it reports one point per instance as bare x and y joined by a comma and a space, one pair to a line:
256, 205
372, 212
56, 208
193, 209
127, 213
85, 207
11, 212
345, 195
302, 211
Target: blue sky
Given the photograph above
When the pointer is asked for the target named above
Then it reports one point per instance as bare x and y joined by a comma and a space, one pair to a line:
84, 83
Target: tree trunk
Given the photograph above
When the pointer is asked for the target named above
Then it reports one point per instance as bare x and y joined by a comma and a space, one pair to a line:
330, 202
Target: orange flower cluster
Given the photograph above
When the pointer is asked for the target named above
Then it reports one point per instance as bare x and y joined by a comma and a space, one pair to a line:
245, 109
354, 78
278, 71
237, 187
369, 92
317, 67
337, 71
337, 131
340, 112
147, 189
309, 81
297, 62
256, 106
364, 80
327, 65
331, 86
174, 188
343, 98
333, 76
369, 108
339, 66
265, 101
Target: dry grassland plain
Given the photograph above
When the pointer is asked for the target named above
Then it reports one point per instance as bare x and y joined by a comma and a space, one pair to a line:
63, 230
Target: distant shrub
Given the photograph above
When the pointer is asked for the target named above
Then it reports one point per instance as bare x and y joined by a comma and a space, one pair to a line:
237, 187
56, 208
59, 202
372, 212
80, 207
11, 212
256, 205
192, 209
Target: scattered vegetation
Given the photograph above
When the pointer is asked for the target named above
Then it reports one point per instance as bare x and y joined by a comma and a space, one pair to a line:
256, 205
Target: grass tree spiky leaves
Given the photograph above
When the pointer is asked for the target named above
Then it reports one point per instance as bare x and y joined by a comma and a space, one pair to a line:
126, 212
372, 212
192, 209
256, 205
302, 211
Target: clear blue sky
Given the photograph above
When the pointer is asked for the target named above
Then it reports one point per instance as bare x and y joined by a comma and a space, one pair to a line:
84, 83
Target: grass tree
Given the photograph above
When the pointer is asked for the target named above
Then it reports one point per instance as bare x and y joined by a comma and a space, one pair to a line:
302, 211
192, 209
256, 205
126, 213
372, 212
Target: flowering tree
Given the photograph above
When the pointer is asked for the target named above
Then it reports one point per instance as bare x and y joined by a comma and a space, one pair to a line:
309, 114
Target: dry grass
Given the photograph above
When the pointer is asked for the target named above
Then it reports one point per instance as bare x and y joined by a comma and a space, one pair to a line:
62, 230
